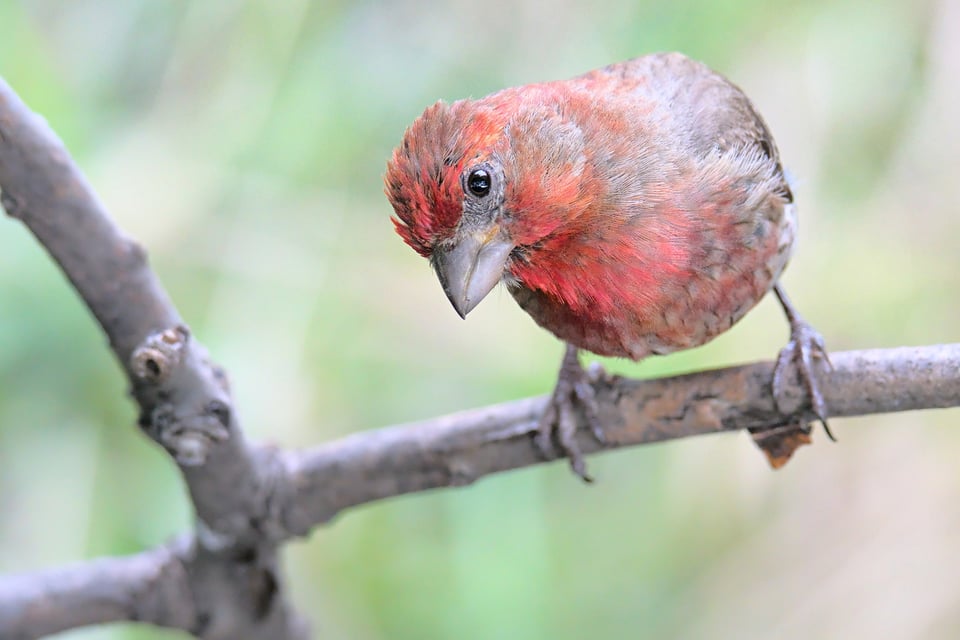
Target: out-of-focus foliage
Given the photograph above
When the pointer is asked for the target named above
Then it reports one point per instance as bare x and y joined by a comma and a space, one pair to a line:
243, 143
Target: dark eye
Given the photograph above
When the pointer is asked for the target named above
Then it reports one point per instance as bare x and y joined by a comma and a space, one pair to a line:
478, 182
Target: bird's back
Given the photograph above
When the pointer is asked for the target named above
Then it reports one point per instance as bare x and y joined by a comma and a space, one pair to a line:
709, 112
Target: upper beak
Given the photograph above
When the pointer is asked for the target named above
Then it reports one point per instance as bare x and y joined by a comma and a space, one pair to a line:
471, 268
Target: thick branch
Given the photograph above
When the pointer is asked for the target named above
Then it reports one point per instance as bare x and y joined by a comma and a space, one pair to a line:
43, 188
183, 398
460, 448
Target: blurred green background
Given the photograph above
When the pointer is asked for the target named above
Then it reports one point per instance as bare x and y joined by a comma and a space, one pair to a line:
243, 142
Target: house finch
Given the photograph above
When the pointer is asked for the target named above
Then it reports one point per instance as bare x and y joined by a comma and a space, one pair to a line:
637, 209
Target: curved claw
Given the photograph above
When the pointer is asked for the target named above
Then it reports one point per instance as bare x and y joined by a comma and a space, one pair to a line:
559, 419
805, 344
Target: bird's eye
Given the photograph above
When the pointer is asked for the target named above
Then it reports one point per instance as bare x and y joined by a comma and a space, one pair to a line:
478, 182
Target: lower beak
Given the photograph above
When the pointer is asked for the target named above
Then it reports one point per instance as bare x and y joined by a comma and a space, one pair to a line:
471, 268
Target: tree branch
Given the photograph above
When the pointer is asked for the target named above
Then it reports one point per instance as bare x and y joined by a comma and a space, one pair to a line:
171, 586
140, 587
183, 398
223, 581
461, 448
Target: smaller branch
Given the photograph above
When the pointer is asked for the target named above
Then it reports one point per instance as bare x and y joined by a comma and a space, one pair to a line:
461, 448
151, 587
176, 586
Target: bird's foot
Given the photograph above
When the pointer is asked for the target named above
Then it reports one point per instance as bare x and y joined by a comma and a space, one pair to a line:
557, 427
805, 345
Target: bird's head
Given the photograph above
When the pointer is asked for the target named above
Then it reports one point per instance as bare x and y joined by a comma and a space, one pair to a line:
472, 182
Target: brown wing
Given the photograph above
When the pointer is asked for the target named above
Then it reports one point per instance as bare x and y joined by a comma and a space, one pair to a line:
719, 116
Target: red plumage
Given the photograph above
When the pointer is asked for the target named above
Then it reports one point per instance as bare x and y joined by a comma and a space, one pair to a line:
637, 209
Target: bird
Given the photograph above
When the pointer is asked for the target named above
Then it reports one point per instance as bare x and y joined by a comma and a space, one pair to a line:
637, 209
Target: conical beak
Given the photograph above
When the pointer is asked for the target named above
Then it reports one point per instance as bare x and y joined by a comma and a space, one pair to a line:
471, 267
